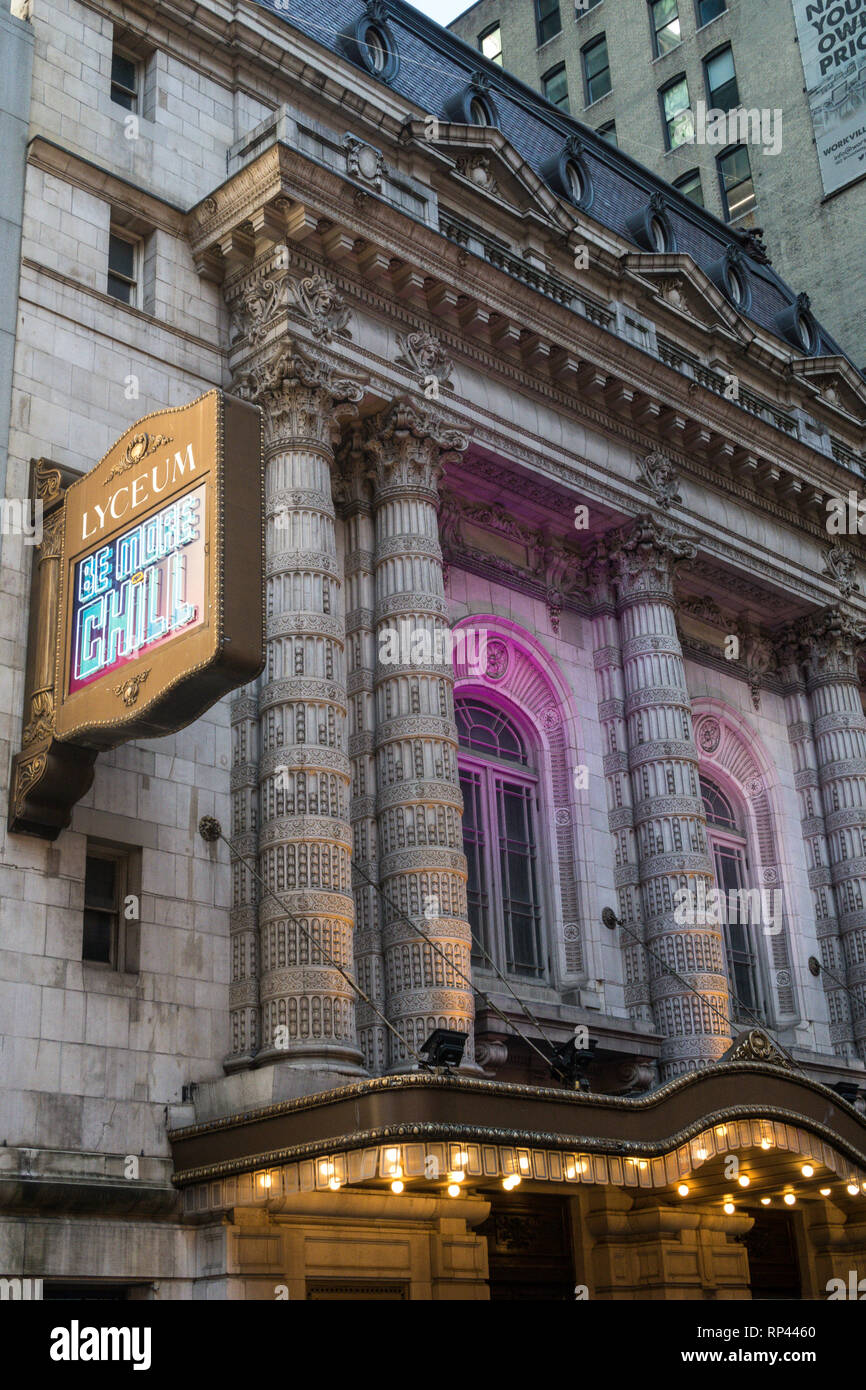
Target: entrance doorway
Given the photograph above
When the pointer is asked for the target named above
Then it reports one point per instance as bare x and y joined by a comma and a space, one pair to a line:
774, 1270
528, 1247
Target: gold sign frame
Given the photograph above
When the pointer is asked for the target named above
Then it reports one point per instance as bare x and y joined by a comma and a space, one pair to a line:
173, 680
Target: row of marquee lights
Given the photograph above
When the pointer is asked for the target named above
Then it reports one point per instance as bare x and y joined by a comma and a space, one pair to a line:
457, 1176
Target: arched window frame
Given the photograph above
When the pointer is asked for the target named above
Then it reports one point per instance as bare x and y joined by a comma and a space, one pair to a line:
486, 780
730, 844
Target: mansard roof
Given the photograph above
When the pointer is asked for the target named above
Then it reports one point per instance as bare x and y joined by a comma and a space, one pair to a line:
434, 70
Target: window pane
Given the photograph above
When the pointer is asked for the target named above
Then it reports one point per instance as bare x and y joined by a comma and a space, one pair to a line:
678, 117
690, 184
708, 9
120, 289
474, 847
97, 936
121, 257
520, 898
100, 883
608, 132
491, 45
722, 81
595, 65
556, 87
123, 71
666, 26
549, 21
488, 731
737, 182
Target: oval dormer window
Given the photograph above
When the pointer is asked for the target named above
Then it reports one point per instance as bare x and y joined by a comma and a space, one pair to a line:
658, 234
736, 287
371, 43
805, 332
377, 49
574, 181
478, 113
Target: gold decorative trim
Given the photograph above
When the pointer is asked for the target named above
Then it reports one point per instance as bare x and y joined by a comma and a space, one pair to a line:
138, 448
128, 690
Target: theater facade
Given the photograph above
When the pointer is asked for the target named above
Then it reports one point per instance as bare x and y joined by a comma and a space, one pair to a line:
559, 745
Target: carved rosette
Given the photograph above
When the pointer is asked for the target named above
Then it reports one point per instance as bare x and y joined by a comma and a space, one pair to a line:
422, 867
303, 835
830, 644
670, 825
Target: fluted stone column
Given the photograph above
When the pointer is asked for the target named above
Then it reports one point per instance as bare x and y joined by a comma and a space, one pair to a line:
422, 868
244, 989
668, 810
830, 646
607, 660
356, 510
816, 841
307, 1008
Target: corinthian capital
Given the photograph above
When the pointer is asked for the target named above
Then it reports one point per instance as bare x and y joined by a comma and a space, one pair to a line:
302, 396
829, 643
643, 557
408, 444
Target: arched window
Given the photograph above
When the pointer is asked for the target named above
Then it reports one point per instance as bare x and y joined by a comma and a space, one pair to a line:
742, 907
500, 789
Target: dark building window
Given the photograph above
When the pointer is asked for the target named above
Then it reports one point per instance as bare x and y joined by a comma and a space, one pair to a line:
735, 176
124, 81
678, 118
111, 907
490, 43
608, 132
690, 184
582, 7
665, 17
596, 69
500, 792
709, 9
555, 86
122, 258
548, 20
722, 80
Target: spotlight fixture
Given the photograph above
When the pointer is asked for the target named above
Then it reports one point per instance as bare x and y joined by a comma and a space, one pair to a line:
683, 1189
512, 1181
743, 1180
453, 1189
569, 1063
825, 1191
807, 1170
765, 1144
265, 1180
789, 1199
729, 1208
444, 1049
459, 1176
397, 1186
853, 1189
334, 1184
765, 1201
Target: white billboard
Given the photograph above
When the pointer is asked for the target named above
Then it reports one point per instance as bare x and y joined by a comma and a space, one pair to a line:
832, 36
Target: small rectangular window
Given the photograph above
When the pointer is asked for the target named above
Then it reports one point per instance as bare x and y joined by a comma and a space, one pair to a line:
690, 184
678, 118
555, 87
596, 69
582, 7
738, 189
111, 907
665, 17
608, 132
722, 80
548, 20
490, 43
122, 280
710, 9
124, 80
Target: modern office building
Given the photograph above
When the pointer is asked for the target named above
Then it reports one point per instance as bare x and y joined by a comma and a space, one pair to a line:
559, 749
785, 150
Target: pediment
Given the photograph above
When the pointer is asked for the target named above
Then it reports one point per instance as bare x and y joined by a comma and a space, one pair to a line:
835, 381
482, 158
678, 283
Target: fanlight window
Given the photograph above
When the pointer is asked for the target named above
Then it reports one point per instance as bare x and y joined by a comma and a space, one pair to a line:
500, 841
717, 807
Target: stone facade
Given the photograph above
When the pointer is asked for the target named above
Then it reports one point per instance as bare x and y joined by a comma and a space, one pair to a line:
462, 433
812, 239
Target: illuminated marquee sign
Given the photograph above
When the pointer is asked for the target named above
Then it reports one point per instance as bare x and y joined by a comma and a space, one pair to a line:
161, 575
